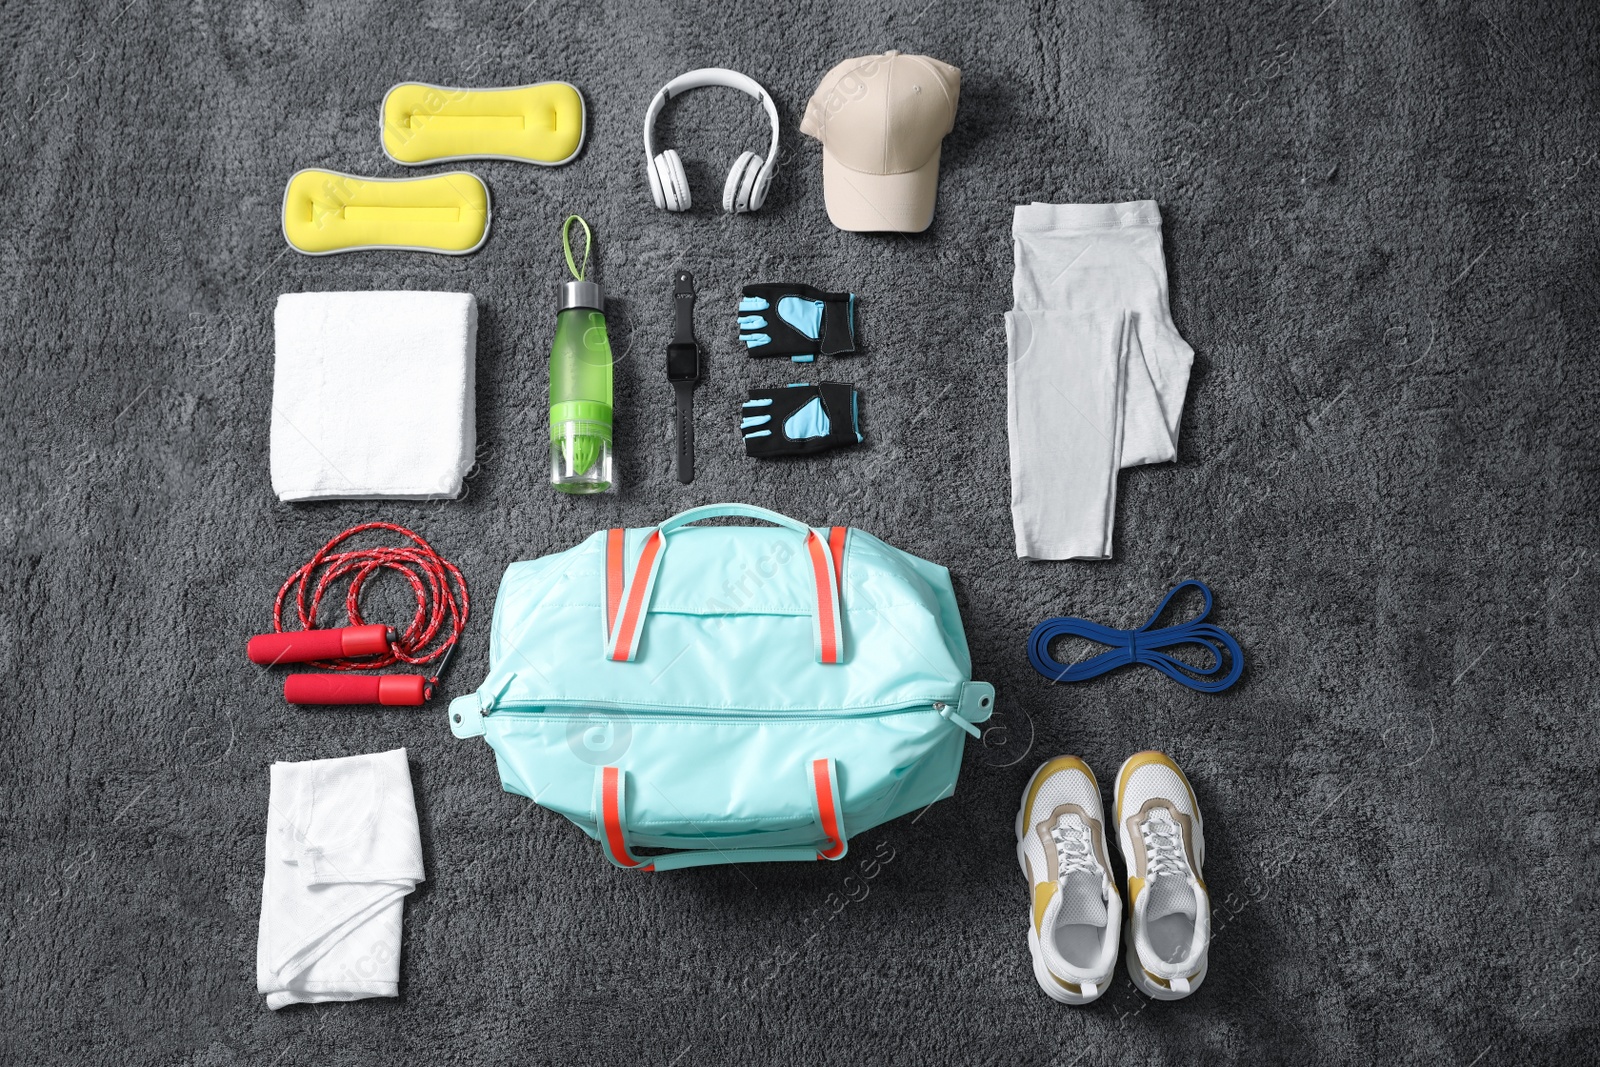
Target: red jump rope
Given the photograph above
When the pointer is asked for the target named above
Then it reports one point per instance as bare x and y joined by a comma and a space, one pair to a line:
435, 628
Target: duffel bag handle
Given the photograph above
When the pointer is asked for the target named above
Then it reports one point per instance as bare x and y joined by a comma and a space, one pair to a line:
721, 511
827, 807
627, 597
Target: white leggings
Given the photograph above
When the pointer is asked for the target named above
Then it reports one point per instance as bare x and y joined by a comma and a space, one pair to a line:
1097, 370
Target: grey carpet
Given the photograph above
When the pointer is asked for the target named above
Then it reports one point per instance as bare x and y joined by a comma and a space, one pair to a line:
1381, 230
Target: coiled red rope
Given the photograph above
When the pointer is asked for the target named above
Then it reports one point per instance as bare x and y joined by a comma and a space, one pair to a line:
442, 602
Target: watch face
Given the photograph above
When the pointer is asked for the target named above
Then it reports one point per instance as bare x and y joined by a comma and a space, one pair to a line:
683, 363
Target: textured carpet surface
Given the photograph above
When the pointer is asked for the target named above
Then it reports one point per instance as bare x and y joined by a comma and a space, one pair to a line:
1381, 231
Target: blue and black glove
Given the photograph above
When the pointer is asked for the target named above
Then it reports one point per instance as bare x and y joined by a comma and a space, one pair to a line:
798, 420
797, 321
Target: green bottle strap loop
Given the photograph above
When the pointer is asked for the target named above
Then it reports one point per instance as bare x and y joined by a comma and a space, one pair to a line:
566, 245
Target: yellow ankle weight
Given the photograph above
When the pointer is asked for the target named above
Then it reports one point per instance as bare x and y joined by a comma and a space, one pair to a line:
541, 123
325, 211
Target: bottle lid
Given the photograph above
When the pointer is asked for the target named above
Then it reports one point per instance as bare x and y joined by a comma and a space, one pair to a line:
581, 294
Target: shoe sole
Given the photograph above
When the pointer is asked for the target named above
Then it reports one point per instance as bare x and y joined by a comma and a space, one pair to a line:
1141, 981
1041, 973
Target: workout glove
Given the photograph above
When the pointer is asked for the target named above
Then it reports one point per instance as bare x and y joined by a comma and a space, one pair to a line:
797, 321
798, 420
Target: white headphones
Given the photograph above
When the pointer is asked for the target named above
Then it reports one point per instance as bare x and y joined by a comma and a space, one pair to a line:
746, 187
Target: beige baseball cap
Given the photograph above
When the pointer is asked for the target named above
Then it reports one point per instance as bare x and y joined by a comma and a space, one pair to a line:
881, 120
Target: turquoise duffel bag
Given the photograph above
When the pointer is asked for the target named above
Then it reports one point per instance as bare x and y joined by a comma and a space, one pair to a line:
732, 693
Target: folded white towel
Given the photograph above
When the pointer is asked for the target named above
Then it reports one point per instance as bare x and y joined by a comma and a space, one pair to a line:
372, 395
343, 850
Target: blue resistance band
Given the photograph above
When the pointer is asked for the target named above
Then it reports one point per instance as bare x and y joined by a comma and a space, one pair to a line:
1142, 646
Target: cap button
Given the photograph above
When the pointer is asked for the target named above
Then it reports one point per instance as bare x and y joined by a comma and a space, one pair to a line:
891, 53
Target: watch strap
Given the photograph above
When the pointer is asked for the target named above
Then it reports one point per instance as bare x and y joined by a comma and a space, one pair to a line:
683, 334
683, 304
684, 421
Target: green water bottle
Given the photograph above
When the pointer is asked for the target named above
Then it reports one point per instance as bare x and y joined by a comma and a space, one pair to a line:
580, 381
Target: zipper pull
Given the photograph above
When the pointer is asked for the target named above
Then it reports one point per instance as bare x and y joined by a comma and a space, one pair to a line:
490, 699
946, 712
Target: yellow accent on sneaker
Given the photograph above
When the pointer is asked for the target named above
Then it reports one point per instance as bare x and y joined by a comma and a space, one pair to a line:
1043, 894
1060, 763
1142, 759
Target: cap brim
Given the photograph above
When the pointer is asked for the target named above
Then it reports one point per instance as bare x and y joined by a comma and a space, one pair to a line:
902, 203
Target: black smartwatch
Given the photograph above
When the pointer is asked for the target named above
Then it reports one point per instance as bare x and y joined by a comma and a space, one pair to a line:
683, 370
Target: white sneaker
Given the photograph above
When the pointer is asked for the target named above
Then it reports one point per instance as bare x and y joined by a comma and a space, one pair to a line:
1061, 844
1164, 849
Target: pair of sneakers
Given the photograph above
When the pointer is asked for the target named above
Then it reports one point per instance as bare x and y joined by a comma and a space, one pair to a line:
1077, 911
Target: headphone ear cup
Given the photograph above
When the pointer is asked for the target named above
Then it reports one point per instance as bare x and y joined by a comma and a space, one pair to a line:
760, 182
674, 182
740, 184
652, 170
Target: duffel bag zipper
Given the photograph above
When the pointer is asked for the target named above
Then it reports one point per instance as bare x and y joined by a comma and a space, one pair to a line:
941, 708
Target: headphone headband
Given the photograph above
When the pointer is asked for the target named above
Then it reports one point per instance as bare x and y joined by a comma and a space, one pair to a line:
699, 79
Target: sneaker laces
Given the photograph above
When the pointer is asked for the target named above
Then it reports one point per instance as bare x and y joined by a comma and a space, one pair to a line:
1073, 850
1166, 866
1079, 873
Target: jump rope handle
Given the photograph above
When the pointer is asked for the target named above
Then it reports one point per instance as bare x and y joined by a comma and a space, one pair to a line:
395, 690
303, 646
344, 642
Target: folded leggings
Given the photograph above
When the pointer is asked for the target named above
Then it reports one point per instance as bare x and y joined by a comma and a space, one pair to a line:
1097, 371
